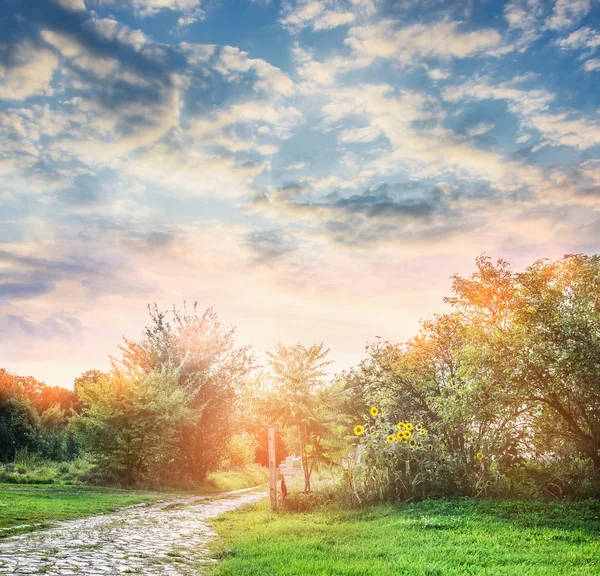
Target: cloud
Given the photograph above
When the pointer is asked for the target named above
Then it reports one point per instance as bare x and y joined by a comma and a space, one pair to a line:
583, 38
57, 327
322, 14
592, 65
75, 5
148, 8
269, 246
26, 69
23, 290
410, 211
566, 13
533, 108
442, 40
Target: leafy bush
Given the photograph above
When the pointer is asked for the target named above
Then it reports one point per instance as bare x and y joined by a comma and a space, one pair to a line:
240, 452
250, 476
307, 501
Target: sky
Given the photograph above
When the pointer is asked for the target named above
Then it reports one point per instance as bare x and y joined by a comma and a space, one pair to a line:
314, 170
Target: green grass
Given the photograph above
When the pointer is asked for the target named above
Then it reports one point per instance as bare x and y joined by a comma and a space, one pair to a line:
252, 475
432, 538
33, 507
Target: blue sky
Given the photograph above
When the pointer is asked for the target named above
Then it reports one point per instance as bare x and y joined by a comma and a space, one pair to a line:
315, 170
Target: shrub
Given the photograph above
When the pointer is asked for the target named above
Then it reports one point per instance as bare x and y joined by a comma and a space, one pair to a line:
252, 475
240, 452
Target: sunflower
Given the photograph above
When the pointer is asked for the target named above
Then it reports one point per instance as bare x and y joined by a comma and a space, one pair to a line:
420, 445
401, 425
422, 431
418, 426
413, 443
400, 435
479, 455
374, 411
407, 434
430, 448
358, 429
390, 438
409, 426
405, 441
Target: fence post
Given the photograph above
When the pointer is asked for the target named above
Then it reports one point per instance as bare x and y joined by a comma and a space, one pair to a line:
272, 469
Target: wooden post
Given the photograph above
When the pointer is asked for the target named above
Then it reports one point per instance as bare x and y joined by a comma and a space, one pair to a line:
272, 469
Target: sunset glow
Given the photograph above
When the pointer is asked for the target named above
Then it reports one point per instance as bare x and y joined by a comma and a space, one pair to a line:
314, 170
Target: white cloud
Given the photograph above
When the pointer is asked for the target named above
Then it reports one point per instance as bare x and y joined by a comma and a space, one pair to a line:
442, 40
585, 37
30, 75
324, 14
566, 130
153, 7
233, 62
532, 107
75, 5
566, 13
592, 65
332, 19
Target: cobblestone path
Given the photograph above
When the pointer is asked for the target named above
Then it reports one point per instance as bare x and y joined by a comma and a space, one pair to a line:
168, 539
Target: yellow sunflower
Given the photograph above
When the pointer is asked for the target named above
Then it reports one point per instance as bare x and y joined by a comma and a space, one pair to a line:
418, 426
479, 455
405, 441
409, 426
401, 425
390, 438
358, 429
413, 442
422, 431
420, 445
407, 434
374, 411
400, 435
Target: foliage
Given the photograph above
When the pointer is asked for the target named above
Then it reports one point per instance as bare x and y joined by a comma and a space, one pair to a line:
240, 452
19, 422
434, 537
211, 370
131, 426
510, 372
300, 401
250, 476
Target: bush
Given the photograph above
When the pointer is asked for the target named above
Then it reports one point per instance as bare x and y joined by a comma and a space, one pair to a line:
252, 475
240, 452
307, 501
31, 469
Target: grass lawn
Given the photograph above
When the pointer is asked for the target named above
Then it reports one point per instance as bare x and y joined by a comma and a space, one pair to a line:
34, 507
432, 538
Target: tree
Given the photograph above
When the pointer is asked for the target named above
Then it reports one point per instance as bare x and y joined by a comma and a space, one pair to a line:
19, 422
537, 334
298, 394
212, 372
132, 425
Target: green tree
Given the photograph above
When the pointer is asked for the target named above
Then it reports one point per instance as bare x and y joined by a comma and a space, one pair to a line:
132, 425
537, 340
19, 422
299, 400
212, 374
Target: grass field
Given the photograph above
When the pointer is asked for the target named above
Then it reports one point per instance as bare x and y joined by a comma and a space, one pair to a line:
433, 538
27, 508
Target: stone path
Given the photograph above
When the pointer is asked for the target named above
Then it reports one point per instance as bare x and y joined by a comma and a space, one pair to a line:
168, 539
